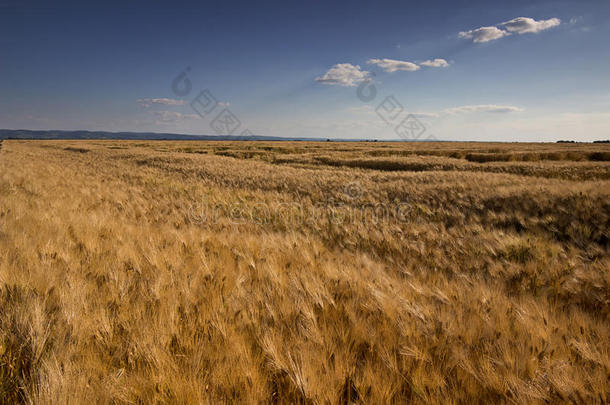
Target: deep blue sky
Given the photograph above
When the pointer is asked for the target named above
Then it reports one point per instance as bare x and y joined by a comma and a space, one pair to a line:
73, 65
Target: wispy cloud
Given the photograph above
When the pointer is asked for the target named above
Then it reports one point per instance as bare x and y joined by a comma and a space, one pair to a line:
344, 74
364, 109
488, 108
147, 102
465, 109
392, 65
166, 117
526, 25
435, 63
424, 115
484, 34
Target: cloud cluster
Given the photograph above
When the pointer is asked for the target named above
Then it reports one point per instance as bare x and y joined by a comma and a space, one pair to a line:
344, 74
519, 25
147, 102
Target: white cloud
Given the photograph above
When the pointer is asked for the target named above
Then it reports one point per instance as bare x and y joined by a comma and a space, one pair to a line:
526, 25
435, 63
343, 74
484, 34
147, 102
392, 65
490, 108
519, 25
172, 116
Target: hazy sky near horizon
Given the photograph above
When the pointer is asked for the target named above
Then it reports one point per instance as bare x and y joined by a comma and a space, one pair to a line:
467, 70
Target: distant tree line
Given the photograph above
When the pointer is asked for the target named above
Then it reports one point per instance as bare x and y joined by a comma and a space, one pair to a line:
601, 141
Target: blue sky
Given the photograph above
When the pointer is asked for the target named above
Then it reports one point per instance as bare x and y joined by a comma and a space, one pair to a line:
471, 70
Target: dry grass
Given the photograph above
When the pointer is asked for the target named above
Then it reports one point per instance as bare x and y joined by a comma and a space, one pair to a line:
493, 286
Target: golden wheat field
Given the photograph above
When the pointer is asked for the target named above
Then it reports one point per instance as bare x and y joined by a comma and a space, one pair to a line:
303, 272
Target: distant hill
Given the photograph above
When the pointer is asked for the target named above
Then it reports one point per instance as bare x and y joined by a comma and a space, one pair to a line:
50, 134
